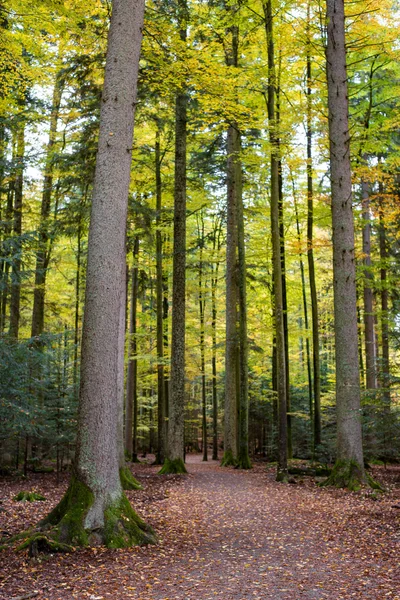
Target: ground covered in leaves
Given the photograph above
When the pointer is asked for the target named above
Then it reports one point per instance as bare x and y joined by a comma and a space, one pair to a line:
223, 534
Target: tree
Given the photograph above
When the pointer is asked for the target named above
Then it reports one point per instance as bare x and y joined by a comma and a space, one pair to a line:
94, 507
349, 467
174, 462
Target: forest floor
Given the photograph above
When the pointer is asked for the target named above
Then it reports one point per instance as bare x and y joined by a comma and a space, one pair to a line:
223, 534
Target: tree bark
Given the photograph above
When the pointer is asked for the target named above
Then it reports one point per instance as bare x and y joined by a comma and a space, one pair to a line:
349, 468
385, 369
310, 252
176, 419
276, 255
161, 441
369, 317
95, 508
131, 388
214, 284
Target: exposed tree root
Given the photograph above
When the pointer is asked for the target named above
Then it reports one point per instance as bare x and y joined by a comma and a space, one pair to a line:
348, 474
128, 481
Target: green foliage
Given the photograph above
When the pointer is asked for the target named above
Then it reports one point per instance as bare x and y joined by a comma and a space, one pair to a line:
28, 497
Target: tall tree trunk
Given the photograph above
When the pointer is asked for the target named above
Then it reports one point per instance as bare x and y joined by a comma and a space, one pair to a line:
95, 508
305, 310
43, 252
161, 441
385, 369
310, 250
231, 405
243, 461
131, 405
214, 284
202, 304
6, 263
349, 468
369, 318
276, 254
176, 419
15, 299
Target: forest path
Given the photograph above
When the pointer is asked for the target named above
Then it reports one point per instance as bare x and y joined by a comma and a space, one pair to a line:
227, 534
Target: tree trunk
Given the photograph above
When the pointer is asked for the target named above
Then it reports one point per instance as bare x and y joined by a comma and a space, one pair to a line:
276, 255
214, 284
202, 340
310, 251
349, 468
95, 508
131, 388
161, 441
369, 317
43, 252
385, 369
15, 299
176, 420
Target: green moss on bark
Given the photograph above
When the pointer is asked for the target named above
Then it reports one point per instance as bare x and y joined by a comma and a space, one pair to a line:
124, 528
350, 475
228, 460
282, 475
243, 462
176, 466
128, 481
41, 543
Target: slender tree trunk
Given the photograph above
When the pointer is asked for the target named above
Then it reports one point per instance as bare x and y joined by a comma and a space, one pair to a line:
176, 420
95, 508
214, 284
310, 250
161, 441
202, 304
131, 388
276, 255
369, 318
43, 252
6, 263
15, 300
349, 468
305, 309
385, 369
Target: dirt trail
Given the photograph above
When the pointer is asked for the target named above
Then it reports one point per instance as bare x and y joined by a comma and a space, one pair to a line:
229, 535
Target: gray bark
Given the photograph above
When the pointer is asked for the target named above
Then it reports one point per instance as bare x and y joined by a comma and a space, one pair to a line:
349, 439
97, 444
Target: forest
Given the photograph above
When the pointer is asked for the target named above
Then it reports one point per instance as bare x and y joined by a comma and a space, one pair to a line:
199, 311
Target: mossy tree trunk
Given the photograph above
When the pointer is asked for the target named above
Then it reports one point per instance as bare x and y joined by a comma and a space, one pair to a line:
94, 508
349, 468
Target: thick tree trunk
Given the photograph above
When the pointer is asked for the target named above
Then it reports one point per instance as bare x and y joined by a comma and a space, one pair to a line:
95, 508
276, 255
310, 252
176, 420
43, 252
369, 317
15, 299
349, 468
